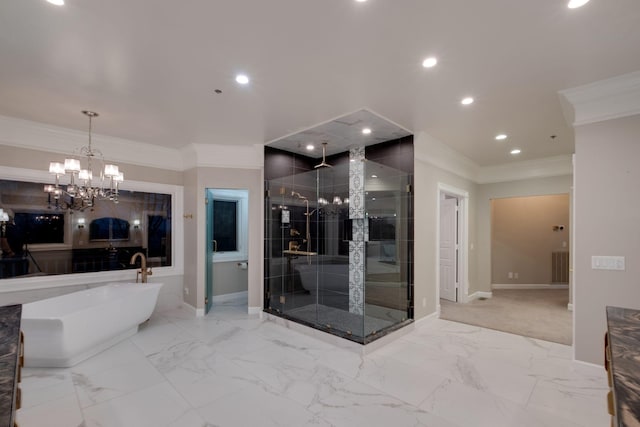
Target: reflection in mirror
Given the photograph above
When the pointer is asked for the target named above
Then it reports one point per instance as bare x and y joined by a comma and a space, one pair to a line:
38, 238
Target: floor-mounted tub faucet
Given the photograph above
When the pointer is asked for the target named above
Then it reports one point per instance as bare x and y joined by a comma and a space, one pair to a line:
143, 270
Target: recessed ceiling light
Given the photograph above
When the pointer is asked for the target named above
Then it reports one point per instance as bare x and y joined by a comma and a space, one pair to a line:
573, 4
516, 151
501, 137
466, 101
366, 131
361, 1
310, 147
242, 79
56, 2
374, 176
429, 62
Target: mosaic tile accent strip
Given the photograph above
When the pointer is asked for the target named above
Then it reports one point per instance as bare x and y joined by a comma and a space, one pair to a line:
359, 229
356, 183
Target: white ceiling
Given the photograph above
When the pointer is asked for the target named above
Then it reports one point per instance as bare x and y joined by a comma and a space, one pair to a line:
341, 134
150, 67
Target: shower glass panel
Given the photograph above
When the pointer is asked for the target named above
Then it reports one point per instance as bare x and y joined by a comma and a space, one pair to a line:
388, 212
321, 262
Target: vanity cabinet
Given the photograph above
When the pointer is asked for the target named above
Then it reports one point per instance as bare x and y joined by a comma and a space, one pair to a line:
622, 363
11, 362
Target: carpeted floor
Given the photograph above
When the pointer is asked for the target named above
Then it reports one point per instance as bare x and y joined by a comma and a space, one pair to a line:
535, 313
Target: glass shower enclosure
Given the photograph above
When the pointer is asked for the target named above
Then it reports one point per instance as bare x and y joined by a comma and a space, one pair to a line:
338, 249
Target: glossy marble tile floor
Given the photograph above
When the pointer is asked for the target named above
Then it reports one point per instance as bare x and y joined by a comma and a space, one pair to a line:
234, 369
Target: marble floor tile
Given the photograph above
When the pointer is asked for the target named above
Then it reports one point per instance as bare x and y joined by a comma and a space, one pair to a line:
41, 385
466, 406
578, 399
158, 405
399, 380
258, 406
111, 383
357, 404
230, 368
203, 381
291, 372
64, 412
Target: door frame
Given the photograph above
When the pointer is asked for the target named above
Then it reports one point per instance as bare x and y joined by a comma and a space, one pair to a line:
240, 195
463, 244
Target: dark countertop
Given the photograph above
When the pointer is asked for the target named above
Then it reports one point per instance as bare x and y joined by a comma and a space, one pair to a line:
624, 341
9, 346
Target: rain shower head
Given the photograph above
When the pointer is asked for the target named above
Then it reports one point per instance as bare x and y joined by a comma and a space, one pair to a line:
323, 164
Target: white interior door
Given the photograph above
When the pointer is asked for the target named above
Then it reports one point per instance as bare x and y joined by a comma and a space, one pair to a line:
448, 249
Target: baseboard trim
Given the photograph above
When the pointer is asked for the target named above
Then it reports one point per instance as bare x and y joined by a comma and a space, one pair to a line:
219, 299
479, 294
254, 310
198, 312
527, 286
570, 307
588, 364
428, 317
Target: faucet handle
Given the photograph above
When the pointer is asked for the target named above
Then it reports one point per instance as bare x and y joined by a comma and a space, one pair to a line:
149, 272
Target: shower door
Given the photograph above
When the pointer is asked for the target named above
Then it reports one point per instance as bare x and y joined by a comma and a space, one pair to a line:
389, 221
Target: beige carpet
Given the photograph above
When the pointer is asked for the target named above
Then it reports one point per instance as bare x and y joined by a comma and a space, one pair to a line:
535, 313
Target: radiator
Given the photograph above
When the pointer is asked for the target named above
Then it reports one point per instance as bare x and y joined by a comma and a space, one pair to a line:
560, 267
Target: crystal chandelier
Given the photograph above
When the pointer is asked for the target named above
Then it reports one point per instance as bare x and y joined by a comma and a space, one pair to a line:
82, 189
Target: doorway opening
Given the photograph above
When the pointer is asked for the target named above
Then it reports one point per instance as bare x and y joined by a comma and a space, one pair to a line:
452, 237
530, 276
226, 275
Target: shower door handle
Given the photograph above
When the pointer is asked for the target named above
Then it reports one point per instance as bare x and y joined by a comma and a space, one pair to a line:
215, 245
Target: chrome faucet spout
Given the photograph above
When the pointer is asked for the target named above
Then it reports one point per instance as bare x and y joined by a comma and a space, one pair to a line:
143, 270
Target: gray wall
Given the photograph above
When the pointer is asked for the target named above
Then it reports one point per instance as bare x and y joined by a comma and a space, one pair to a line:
426, 215
607, 205
523, 237
229, 278
39, 160
196, 181
487, 192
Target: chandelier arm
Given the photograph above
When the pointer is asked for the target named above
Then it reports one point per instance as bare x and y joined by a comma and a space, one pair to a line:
83, 194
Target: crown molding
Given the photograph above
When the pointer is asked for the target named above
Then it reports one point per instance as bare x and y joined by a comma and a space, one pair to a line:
440, 155
40, 136
527, 169
430, 150
607, 99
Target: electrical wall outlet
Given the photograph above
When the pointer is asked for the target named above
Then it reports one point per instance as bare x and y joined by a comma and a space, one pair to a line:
608, 263
510, 275
515, 275
186, 291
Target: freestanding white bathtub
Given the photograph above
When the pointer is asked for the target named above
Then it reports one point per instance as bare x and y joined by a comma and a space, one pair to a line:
65, 330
